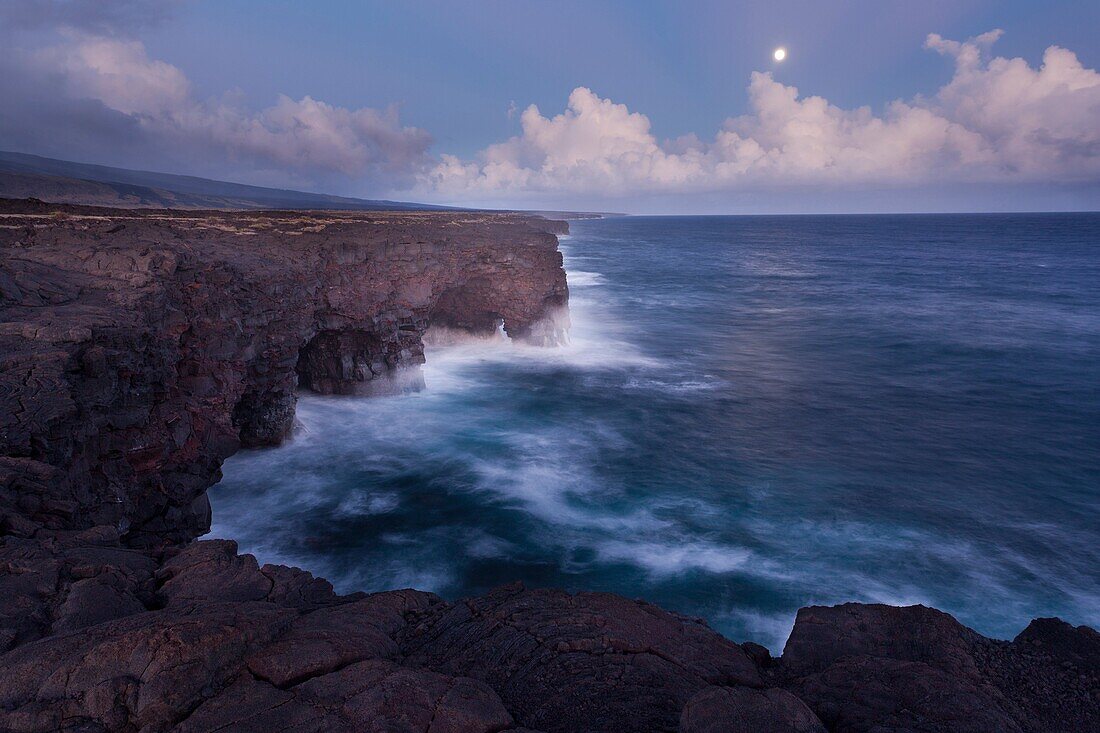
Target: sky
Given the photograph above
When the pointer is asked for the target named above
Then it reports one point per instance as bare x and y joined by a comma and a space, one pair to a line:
633, 106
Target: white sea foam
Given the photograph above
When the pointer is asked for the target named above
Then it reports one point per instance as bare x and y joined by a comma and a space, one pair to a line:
676, 556
365, 504
595, 342
706, 384
482, 545
583, 279
549, 477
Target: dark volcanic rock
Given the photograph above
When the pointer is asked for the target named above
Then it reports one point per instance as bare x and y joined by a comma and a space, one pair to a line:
875, 667
823, 635
1080, 645
209, 640
871, 694
138, 350
372, 695
66, 581
745, 710
568, 662
233, 644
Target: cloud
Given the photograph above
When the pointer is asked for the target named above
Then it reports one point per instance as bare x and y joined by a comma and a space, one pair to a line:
998, 121
98, 89
116, 73
83, 87
1042, 123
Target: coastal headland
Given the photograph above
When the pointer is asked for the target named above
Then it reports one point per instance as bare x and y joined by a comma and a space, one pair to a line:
140, 349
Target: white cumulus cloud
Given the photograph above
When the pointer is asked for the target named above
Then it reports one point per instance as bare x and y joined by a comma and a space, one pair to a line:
117, 73
94, 92
153, 103
998, 120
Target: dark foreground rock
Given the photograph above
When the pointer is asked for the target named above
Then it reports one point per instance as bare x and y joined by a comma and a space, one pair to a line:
746, 710
868, 667
225, 643
204, 639
590, 661
137, 351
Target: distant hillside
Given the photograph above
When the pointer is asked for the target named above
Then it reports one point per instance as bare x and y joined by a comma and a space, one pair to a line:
62, 181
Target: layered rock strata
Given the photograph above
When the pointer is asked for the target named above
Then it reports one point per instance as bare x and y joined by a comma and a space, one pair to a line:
137, 351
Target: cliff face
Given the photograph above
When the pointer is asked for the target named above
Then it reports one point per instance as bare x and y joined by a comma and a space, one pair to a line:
137, 351
140, 350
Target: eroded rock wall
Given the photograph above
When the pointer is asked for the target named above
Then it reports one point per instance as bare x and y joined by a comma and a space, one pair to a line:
139, 350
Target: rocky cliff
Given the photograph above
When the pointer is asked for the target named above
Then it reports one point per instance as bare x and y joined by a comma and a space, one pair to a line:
138, 350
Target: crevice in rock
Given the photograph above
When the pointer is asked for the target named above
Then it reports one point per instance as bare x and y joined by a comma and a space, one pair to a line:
360, 362
467, 308
264, 418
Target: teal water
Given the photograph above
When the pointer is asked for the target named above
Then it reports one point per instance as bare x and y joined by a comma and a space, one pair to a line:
753, 414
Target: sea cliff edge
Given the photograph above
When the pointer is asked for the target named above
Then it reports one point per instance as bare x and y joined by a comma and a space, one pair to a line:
140, 349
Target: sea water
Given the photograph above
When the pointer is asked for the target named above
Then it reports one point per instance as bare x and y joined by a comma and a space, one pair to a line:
753, 414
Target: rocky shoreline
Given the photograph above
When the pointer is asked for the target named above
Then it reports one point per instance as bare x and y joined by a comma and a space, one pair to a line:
138, 350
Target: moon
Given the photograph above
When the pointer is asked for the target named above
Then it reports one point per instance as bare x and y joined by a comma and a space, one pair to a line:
780, 54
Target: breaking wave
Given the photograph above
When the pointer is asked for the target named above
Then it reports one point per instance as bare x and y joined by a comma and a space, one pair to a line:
750, 415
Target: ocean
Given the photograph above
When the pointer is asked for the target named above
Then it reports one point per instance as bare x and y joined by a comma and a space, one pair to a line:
753, 414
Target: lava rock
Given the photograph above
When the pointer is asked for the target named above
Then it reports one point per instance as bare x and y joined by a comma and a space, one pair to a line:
747, 710
589, 661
